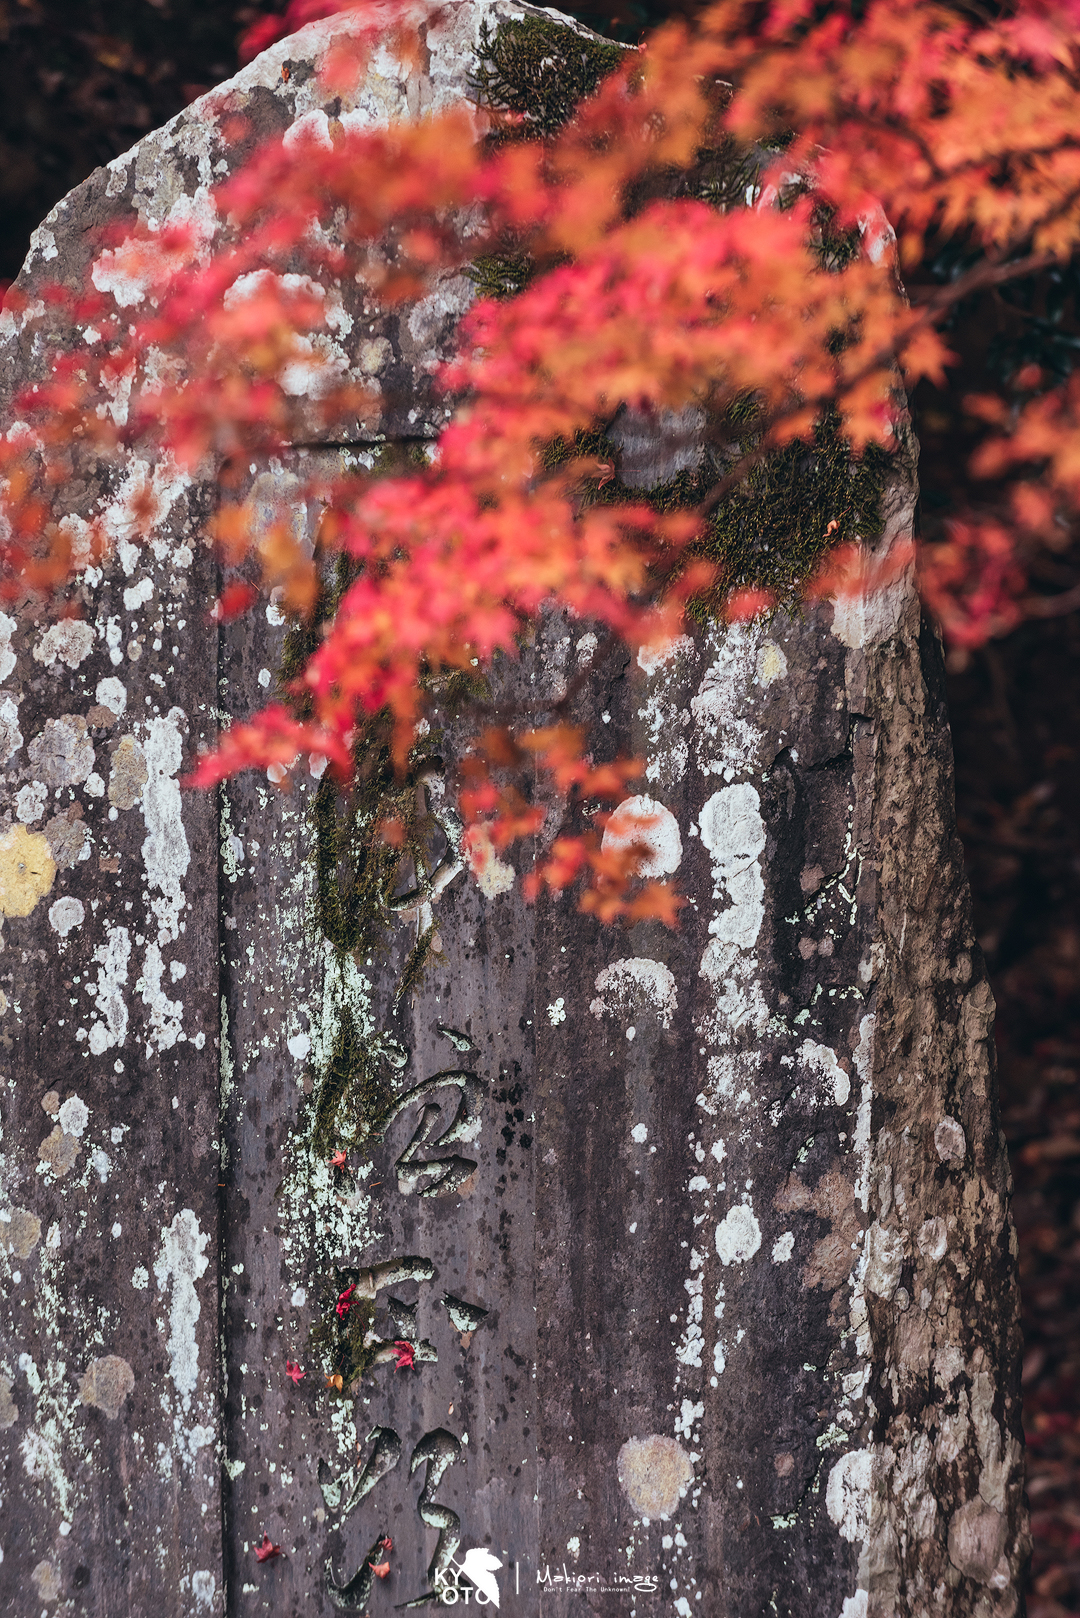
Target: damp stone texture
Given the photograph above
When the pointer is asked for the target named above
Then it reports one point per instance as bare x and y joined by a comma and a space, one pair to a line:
672, 1272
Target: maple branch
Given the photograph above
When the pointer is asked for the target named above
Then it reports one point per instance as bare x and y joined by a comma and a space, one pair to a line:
978, 278
1053, 606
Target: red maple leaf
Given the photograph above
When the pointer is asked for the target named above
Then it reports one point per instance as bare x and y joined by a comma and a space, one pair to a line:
233, 600
345, 1302
380, 1569
292, 1369
267, 1550
338, 1160
406, 1356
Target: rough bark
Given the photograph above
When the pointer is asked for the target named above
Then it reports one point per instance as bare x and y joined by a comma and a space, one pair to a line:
702, 1237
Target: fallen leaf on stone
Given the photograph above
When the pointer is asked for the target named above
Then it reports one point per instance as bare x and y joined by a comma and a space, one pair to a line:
406, 1359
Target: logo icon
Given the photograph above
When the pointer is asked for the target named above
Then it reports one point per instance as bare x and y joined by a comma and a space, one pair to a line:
478, 1566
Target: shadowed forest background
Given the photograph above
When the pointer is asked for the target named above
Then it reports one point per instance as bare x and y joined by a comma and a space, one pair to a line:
82, 80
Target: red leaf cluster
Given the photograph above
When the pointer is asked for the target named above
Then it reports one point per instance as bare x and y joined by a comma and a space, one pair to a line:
904, 120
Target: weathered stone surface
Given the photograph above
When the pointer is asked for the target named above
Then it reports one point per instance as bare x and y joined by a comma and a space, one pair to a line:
700, 1239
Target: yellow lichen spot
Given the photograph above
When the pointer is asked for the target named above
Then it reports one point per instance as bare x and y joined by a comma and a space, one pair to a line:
654, 1474
60, 1151
129, 774
20, 1233
771, 663
106, 1383
46, 1581
27, 871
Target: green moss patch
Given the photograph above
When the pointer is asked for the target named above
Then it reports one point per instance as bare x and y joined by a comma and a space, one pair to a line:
539, 70
344, 1345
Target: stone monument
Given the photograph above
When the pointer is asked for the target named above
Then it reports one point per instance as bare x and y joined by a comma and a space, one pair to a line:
674, 1271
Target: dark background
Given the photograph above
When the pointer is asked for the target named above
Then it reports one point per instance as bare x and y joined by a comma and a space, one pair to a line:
81, 82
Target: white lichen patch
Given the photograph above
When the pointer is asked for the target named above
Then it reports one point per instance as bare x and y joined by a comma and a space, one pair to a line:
69, 641
30, 802
833, 1083
733, 832
133, 272
11, 737
950, 1142
8, 627
661, 654
847, 1494
62, 755
65, 915
73, 1115
633, 985
111, 693
135, 518
318, 362
728, 742
112, 958
493, 875
138, 595
666, 721
738, 1235
165, 850
182, 1262
643, 823
164, 1016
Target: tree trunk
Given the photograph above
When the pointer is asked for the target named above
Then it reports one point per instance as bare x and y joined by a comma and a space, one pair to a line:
700, 1239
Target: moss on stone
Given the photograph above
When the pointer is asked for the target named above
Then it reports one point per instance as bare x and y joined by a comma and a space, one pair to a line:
538, 70
805, 498
344, 1345
354, 1093
790, 510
